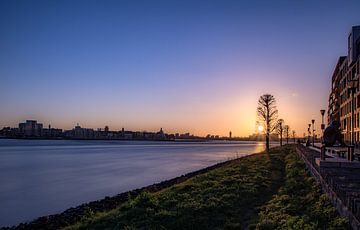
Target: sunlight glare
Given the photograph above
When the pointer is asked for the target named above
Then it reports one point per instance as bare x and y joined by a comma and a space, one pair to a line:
260, 128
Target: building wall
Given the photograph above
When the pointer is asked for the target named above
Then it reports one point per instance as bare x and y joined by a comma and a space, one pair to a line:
340, 98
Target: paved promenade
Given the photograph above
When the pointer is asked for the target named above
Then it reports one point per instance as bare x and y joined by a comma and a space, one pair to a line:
341, 184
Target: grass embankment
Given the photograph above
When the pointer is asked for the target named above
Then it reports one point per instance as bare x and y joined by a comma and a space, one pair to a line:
266, 191
299, 203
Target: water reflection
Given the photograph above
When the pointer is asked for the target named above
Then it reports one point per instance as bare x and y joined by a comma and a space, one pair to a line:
45, 177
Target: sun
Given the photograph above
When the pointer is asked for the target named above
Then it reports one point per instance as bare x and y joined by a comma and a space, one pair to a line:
260, 128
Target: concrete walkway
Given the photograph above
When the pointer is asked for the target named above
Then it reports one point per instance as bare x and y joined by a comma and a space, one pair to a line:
341, 184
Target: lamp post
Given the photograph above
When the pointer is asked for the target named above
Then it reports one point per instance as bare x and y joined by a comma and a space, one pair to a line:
309, 133
352, 86
322, 124
313, 130
281, 130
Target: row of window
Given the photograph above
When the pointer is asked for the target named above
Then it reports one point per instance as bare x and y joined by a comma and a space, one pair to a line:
346, 122
345, 75
347, 137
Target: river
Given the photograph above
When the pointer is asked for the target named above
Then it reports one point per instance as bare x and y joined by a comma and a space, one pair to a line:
43, 177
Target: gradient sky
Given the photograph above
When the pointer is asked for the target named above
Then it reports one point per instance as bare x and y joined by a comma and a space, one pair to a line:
185, 66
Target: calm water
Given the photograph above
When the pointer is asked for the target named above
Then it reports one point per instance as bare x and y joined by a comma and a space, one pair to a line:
42, 177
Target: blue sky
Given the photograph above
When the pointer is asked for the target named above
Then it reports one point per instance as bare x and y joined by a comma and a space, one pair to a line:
196, 66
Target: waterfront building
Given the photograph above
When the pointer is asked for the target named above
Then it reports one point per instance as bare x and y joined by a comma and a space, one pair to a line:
52, 132
334, 97
30, 128
128, 135
9, 132
80, 133
345, 85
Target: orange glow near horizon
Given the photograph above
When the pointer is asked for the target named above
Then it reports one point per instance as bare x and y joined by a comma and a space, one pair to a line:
216, 117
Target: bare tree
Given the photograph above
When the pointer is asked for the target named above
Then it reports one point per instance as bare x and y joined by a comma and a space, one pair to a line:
287, 133
267, 116
294, 135
280, 129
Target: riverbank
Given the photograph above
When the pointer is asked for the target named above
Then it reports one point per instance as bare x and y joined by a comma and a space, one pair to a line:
258, 191
74, 215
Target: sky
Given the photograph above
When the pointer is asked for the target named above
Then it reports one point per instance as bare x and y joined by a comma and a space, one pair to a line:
181, 65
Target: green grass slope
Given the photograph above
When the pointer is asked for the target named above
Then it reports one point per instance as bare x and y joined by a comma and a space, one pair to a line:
263, 191
299, 203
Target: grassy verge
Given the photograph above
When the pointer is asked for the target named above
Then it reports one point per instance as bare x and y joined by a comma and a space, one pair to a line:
229, 197
299, 203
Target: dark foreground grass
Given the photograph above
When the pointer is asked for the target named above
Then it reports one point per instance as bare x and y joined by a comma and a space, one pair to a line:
230, 197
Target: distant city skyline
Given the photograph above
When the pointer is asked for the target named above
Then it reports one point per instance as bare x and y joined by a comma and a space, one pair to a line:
185, 66
32, 129
35, 126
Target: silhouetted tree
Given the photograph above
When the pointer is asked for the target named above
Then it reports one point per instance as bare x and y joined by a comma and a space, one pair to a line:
267, 116
280, 129
287, 133
294, 134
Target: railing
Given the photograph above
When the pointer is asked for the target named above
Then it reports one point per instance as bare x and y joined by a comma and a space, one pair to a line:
338, 150
342, 189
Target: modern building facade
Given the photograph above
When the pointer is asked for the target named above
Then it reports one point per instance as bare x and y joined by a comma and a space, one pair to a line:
344, 98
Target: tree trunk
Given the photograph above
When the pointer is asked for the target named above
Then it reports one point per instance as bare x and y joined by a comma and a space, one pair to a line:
267, 128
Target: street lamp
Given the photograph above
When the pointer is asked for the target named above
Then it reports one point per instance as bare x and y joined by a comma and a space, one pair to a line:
313, 124
322, 123
281, 130
309, 133
352, 86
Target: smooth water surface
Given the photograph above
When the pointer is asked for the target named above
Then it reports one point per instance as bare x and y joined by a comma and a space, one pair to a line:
42, 177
